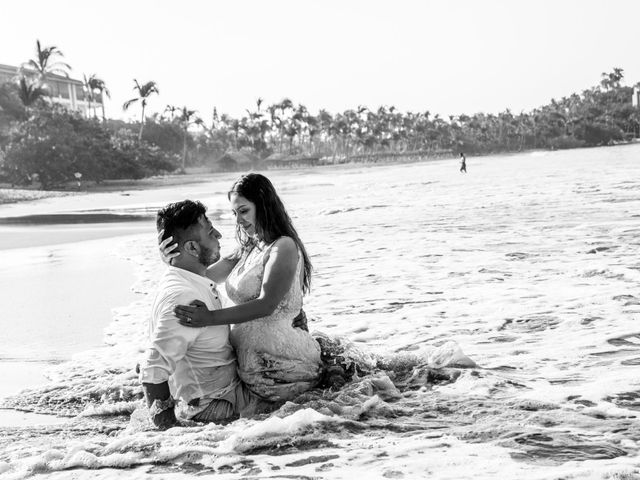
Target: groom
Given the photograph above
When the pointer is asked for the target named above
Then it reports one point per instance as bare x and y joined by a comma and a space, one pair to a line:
195, 366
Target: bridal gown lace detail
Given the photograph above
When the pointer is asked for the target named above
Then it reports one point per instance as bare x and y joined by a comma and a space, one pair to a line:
276, 361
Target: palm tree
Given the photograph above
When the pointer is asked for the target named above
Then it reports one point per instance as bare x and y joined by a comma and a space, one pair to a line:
283, 106
214, 118
187, 118
144, 92
86, 85
30, 92
235, 126
273, 121
172, 111
98, 86
612, 80
45, 63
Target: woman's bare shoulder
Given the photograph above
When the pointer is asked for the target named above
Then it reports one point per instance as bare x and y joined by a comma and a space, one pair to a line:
285, 248
285, 242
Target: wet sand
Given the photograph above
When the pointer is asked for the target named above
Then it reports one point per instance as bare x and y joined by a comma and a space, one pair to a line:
70, 292
21, 236
68, 302
16, 376
13, 195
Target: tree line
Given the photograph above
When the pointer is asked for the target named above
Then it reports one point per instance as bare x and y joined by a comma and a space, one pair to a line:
41, 139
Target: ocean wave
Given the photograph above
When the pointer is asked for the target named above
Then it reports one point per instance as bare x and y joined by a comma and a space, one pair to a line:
333, 211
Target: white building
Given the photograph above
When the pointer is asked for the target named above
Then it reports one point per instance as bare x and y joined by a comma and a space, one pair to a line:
65, 91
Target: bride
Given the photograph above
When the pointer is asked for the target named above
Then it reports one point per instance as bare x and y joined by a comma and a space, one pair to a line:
265, 278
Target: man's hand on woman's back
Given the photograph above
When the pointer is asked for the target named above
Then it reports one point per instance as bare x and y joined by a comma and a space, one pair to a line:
300, 321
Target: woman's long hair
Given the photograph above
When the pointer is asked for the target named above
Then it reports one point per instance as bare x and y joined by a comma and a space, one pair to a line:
272, 219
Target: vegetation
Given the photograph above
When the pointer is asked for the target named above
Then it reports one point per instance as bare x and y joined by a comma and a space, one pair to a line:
54, 146
39, 139
95, 88
186, 119
30, 92
600, 115
144, 91
45, 63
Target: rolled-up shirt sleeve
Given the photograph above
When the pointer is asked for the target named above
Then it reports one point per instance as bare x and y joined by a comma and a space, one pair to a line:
169, 341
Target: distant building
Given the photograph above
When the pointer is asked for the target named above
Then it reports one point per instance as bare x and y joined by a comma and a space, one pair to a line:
65, 91
237, 160
635, 99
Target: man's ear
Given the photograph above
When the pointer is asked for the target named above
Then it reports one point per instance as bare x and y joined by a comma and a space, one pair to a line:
192, 247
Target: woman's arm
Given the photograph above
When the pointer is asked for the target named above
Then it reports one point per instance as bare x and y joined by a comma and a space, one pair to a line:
279, 274
219, 271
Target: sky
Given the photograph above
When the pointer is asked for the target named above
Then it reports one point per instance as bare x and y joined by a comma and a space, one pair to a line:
447, 56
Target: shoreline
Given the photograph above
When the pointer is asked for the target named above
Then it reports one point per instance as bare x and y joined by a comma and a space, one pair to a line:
16, 195
10, 195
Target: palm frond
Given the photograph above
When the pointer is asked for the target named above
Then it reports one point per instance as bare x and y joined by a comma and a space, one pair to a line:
59, 68
31, 66
128, 103
149, 88
96, 84
86, 84
30, 92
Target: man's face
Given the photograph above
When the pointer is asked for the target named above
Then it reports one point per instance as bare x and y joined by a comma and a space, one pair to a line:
209, 244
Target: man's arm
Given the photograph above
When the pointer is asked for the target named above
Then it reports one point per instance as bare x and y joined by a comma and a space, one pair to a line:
160, 404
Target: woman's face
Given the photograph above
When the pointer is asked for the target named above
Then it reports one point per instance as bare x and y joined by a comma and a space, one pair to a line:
245, 213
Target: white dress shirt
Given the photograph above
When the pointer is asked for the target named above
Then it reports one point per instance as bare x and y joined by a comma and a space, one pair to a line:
198, 363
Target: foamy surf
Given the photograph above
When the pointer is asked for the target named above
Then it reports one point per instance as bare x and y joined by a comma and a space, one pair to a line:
488, 326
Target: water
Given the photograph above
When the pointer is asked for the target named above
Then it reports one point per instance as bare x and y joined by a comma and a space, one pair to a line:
528, 265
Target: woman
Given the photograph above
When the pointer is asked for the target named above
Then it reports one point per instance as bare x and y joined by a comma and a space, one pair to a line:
266, 279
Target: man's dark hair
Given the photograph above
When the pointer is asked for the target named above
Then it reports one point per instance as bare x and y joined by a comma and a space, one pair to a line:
178, 218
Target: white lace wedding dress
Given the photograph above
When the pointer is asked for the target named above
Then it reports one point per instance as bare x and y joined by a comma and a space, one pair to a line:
276, 361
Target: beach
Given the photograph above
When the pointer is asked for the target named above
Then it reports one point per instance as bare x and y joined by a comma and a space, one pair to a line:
527, 264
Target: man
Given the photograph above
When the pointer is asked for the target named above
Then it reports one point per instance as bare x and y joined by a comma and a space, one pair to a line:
196, 366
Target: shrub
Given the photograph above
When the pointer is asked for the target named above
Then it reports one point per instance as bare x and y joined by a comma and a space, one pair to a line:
54, 144
168, 136
133, 159
565, 141
597, 133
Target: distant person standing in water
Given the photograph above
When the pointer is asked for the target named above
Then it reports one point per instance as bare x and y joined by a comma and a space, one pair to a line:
463, 163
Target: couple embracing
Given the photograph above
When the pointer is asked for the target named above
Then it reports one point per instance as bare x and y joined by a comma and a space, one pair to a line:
196, 366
